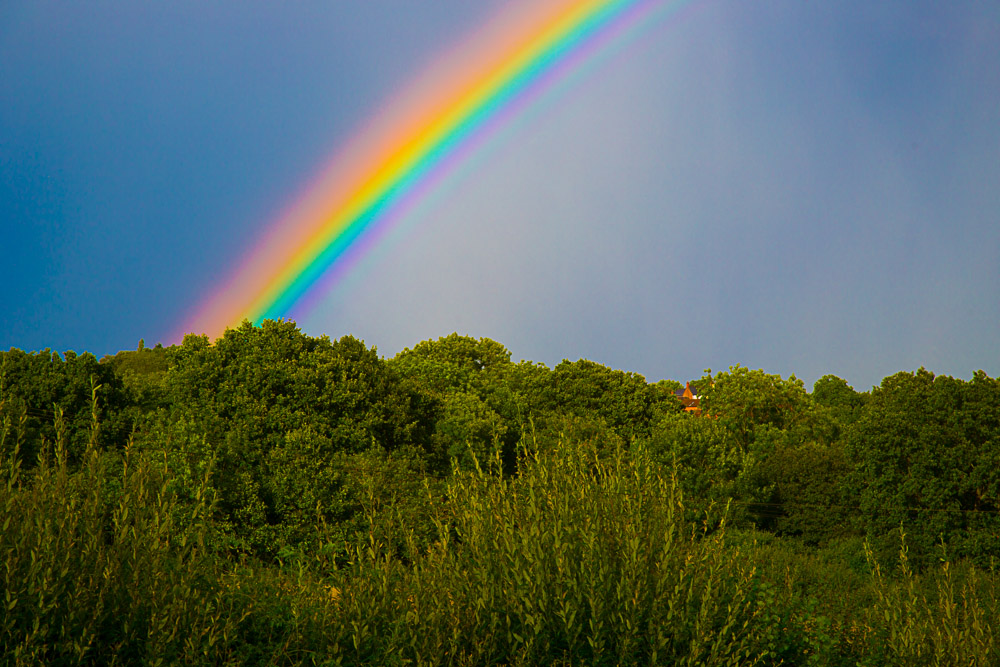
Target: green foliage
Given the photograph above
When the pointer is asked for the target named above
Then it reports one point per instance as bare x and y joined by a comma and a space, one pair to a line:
835, 406
745, 400
141, 362
809, 499
453, 361
480, 401
586, 559
707, 458
926, 455
579, 560
284, 499
97, 569
831, 391
143, 374
726, 454
465, 391
622, 401
256, 383
946, 617
279, 410
42, 383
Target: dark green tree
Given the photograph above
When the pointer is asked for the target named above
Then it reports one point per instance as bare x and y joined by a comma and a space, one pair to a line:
283, 413
462, 387
926, 456
41, 383
622, 401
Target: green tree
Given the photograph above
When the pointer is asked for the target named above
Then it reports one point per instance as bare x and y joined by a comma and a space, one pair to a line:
462, 386
723, 455
926, 456
744, 401
622, 401
280, 410
453, 361
143, 373
706, 458
42, 383
808, 496
835, 405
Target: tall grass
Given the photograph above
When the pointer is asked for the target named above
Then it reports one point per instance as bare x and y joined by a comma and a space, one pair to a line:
946, 616
579, 559
95, 570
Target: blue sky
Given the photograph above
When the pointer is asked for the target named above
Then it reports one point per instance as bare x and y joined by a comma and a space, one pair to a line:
806, 188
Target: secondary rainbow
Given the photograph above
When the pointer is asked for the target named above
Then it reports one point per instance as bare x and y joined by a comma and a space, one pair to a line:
419, 138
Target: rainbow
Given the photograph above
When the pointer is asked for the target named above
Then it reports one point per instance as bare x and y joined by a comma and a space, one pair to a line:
418, 139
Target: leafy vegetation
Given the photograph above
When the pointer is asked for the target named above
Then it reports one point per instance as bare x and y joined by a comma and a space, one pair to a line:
277, 499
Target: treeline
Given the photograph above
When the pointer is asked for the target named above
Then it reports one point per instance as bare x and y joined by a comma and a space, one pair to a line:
274, 498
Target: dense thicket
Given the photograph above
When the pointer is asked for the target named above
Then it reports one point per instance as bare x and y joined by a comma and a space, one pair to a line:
274, 498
